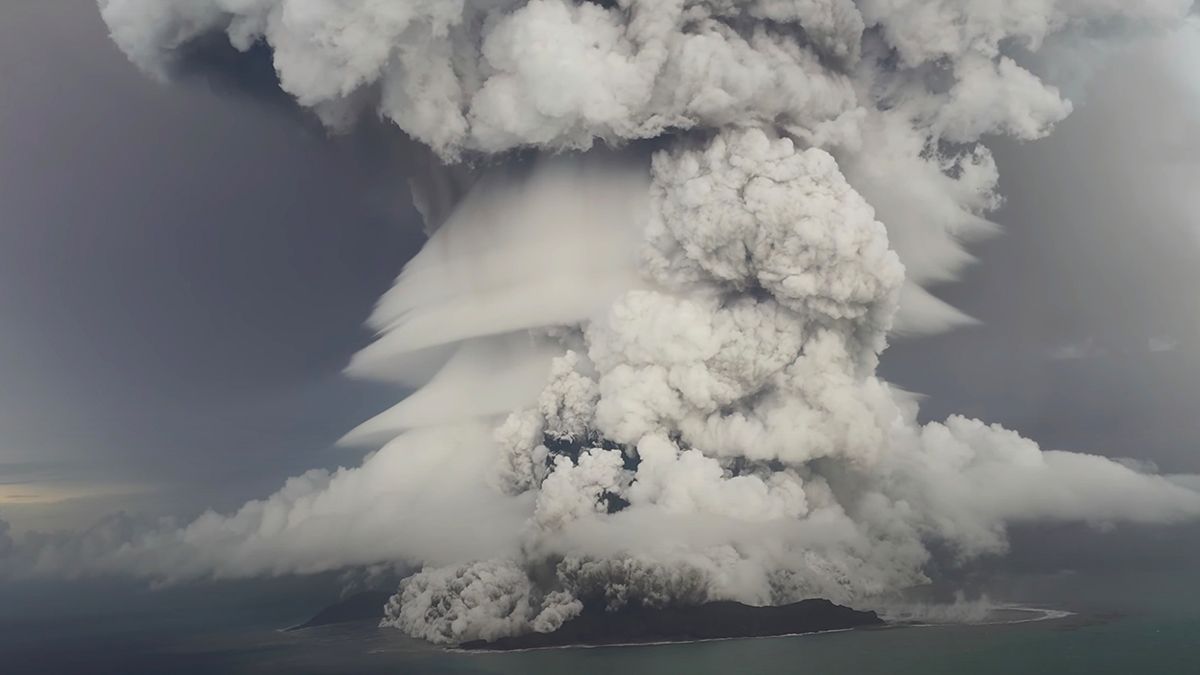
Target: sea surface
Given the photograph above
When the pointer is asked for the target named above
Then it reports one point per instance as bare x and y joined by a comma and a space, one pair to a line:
1120, 624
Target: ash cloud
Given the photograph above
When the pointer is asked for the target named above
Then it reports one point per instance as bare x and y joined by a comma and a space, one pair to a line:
662, 372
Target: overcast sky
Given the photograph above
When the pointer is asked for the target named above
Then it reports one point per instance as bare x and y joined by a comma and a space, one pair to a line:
184, 271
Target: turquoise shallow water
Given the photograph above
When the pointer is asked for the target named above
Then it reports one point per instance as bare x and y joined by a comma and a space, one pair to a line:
1122, 625
1142, 644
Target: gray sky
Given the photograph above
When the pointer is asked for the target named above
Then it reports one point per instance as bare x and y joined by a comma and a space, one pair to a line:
1088, 302
184, 272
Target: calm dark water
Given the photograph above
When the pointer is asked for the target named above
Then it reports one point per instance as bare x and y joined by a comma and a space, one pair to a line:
1131, 624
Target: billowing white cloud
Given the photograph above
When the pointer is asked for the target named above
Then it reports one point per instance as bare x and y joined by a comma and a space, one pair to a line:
659, 383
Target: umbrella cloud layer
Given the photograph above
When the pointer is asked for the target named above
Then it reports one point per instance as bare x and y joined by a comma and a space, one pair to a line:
660, 307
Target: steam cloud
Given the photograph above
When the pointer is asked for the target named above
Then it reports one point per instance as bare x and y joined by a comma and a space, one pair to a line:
660, 335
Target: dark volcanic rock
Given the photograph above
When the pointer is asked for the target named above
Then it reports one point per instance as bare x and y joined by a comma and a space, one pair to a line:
358, 607
634, 625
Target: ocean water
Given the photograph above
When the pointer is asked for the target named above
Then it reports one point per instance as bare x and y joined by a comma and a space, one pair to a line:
1120, 624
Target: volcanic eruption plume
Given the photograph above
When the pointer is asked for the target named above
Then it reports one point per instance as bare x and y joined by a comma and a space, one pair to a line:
659, 308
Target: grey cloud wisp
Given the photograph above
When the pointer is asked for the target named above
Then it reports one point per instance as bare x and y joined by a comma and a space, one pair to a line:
659, 373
